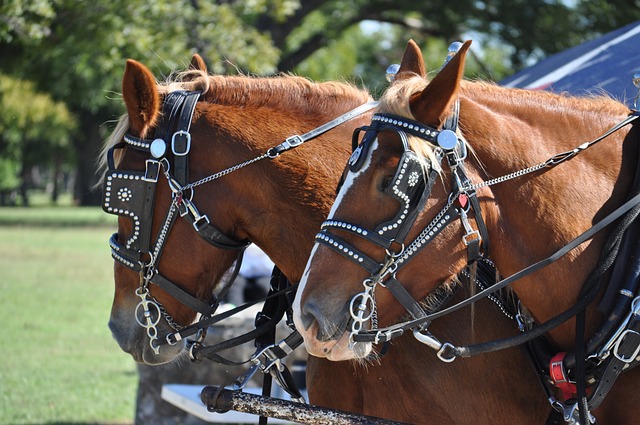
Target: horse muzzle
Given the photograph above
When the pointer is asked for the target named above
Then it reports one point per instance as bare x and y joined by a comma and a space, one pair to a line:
136, 341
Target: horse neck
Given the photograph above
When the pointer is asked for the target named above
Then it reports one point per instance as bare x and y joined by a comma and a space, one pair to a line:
279, 204
531, 217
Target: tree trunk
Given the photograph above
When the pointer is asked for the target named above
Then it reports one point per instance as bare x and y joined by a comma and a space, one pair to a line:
57, 175
87, 145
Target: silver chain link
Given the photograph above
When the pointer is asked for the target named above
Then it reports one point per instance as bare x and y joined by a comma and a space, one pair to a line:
224, 172
506, 177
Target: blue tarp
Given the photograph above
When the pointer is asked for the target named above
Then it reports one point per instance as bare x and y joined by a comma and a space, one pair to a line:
604, 64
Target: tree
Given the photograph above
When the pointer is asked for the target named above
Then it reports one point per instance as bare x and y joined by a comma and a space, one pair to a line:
77, 53
34, 131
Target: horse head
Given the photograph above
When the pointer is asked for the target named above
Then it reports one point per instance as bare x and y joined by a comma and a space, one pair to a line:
153, 244
388, 181
177, 238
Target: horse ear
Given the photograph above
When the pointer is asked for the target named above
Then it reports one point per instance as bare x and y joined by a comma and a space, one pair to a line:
431, 105
197, 63
412, 62
141, 96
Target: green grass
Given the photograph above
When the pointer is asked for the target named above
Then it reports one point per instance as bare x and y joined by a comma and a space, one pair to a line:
58, 362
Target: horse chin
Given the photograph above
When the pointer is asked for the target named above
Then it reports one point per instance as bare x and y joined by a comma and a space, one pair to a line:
339, 350
133, 339
166, 354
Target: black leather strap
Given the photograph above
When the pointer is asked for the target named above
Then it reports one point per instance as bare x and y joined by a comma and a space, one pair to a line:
623, 354
184, 297
539, 330
404, 297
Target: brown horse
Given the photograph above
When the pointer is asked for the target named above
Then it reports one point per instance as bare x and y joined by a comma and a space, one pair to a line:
528, 216
278, 203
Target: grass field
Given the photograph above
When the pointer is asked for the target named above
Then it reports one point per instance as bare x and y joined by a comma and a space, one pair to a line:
58, 362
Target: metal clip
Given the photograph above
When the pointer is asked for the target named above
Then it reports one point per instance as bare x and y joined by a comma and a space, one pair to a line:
427, 339
243, 380
616, 348
263, 360
604, 352
471, 235
196, 343
571, 413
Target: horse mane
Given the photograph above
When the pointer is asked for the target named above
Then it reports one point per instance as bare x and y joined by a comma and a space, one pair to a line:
283, 91
396, 101
297, 94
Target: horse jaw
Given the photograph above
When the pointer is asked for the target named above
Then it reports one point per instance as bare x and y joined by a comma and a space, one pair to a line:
129, 334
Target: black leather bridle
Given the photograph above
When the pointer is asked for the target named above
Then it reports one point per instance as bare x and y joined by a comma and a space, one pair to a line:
611, 354
132, 194
410, 186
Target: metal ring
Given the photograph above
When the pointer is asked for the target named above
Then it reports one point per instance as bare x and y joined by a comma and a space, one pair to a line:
395, 254
365, 299
149, 316
447, 347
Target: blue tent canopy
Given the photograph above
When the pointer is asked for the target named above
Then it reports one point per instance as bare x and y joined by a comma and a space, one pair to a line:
607, 64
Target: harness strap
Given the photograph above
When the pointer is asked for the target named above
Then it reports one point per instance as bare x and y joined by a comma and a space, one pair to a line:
297, 140
624, 354
405, 298
208, 231
558, 375
172, 102
184, 297
369, 336
181, 139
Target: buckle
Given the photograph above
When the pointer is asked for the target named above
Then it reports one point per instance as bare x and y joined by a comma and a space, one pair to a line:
293, 141
152, 170
173, 338
200, 223
471, 237
628, 352
558, 375
182, 137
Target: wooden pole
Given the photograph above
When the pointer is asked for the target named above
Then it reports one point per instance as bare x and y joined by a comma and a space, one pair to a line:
223, 400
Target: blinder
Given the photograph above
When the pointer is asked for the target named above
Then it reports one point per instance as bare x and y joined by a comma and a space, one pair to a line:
411, 187
132, 194
411, 184
361, 149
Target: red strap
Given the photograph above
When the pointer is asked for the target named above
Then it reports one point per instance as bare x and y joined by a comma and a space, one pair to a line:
559, 377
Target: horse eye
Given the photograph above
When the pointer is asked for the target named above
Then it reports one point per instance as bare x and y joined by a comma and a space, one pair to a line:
386, 182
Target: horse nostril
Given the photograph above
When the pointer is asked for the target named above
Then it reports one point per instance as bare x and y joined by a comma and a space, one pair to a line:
309, 315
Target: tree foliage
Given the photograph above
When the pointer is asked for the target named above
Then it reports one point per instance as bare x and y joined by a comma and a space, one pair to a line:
34, 130
76, 51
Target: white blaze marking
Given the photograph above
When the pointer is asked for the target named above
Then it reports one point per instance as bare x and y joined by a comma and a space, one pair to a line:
348, 182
